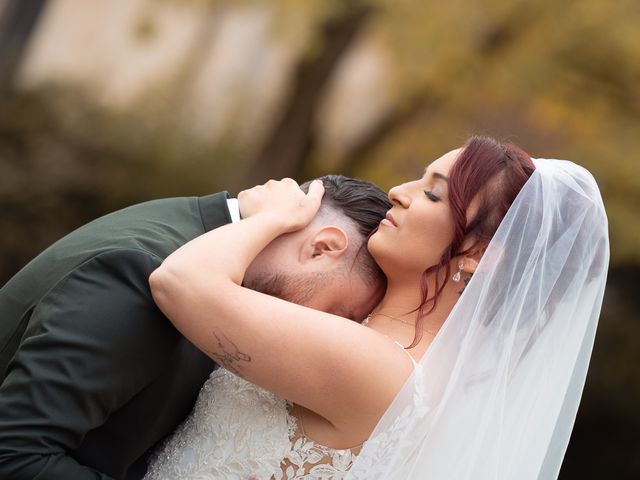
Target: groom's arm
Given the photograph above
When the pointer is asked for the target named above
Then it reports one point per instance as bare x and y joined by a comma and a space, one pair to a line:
93, 342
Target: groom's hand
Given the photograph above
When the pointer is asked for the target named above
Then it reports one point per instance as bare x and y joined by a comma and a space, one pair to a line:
284, 201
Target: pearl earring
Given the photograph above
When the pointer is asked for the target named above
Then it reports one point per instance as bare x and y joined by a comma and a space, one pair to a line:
458, 275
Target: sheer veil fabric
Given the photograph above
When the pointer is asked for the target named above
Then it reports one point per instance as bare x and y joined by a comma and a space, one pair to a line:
496, 395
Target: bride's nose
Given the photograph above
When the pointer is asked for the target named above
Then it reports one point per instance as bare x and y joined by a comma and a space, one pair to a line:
399, 196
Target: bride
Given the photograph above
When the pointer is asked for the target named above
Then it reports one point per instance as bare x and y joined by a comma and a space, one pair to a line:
471, 366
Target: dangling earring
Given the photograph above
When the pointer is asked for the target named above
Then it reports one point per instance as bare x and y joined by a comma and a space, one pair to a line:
458, 275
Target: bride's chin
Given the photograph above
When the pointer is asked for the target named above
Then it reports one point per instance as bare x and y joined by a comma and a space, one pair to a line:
384, 259
375, 248
396, 263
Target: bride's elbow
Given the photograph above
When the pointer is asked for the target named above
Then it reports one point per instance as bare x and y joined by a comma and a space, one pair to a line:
164, 284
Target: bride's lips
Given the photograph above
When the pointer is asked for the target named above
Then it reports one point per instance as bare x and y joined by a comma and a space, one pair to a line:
389, 221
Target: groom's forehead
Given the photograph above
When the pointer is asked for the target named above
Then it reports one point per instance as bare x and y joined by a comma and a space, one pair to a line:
346, 312
362, 298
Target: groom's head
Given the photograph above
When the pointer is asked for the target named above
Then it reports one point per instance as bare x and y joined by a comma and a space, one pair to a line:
326, 265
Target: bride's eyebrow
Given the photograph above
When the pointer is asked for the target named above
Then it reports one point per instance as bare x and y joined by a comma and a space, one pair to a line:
440, 176
437, 175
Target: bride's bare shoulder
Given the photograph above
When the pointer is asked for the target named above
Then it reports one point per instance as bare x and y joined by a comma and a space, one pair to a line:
369, 368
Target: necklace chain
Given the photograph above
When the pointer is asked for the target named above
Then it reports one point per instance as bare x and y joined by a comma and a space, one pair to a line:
380, 314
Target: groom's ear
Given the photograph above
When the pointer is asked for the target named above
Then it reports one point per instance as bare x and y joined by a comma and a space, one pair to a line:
328, 241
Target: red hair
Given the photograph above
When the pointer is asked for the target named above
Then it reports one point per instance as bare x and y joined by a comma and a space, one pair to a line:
492, 171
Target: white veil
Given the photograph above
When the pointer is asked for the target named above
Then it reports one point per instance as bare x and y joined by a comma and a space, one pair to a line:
496, 395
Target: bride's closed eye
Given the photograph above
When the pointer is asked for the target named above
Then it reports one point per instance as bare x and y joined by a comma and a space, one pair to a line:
431, 196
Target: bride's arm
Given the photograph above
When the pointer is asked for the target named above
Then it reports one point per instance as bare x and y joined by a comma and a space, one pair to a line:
326, 363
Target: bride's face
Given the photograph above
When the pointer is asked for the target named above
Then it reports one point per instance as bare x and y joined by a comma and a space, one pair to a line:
419, 226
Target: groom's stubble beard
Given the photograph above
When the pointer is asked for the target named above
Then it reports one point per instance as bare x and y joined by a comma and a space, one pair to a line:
296, 288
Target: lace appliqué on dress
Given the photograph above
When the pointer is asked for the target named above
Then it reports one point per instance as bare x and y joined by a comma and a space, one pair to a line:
237, 431
308, 460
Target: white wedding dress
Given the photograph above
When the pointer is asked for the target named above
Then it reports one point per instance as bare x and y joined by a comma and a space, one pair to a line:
238, 430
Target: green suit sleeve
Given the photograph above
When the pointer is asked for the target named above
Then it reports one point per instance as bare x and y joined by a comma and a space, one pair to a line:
92, 343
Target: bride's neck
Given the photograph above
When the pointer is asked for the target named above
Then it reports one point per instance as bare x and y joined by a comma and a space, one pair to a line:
402, 300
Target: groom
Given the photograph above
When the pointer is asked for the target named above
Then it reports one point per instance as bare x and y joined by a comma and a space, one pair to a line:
93, 375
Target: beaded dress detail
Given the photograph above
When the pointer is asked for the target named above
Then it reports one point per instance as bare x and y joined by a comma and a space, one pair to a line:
238, 430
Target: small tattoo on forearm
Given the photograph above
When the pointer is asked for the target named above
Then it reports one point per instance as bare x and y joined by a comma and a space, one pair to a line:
227, 354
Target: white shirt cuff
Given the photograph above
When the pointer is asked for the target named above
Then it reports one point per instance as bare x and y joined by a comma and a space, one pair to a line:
234, 209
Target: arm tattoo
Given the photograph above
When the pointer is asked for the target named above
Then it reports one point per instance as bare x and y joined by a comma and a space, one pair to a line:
227, 354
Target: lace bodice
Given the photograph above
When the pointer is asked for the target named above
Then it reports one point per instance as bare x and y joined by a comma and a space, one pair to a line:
237, 431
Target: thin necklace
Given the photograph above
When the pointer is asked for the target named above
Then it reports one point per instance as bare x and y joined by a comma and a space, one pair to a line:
375, 314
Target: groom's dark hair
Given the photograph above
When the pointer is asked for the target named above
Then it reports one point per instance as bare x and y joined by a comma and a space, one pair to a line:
364, 204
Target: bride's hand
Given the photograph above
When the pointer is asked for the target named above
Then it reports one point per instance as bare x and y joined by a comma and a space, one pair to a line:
284, 201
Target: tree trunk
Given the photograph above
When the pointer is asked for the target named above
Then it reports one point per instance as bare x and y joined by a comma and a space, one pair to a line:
292, 138
18, 19
421, 104
494, 42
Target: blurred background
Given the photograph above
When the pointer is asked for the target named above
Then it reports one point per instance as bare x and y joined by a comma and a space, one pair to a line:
105, 104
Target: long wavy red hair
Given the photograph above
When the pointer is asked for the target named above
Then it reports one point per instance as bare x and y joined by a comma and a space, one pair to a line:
492, 171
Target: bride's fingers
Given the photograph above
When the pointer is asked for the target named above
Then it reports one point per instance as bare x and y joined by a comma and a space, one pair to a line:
299, 208
314, 195
290, 181
284, 198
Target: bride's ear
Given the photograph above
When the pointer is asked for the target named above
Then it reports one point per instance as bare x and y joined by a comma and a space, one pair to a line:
329, 241
472, 258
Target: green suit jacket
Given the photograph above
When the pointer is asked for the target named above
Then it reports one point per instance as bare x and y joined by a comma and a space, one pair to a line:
93, 375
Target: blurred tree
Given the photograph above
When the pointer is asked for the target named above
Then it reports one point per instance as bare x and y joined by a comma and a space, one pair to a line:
286, 149
426, 97
18, 19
